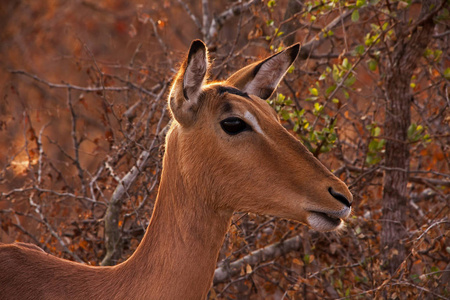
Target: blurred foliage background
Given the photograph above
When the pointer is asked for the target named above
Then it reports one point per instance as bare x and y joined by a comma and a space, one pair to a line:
83, 103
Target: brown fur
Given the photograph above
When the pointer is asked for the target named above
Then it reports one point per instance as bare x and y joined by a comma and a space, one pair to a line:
207, 174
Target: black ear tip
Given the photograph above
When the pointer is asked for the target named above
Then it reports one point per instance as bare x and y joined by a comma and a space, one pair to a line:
197, 45
294, 50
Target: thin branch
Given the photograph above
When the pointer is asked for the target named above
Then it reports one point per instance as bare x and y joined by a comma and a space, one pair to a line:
191, 15
76, 143
41, 152
160, 40
415, 179
431, 226
307, 48
206, 18
37, 209
81, 88
42, 190
219, 21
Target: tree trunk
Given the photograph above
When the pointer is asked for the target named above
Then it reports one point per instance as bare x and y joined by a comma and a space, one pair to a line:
289, 28
408, 49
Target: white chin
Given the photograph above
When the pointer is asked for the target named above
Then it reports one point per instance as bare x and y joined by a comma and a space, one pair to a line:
322, 222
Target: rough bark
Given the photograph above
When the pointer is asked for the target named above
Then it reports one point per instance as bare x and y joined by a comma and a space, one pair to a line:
408, 49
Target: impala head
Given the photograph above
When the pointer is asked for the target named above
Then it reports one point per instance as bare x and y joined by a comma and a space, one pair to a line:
232, 151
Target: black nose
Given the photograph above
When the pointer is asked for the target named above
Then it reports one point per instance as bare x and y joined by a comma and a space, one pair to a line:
341, 198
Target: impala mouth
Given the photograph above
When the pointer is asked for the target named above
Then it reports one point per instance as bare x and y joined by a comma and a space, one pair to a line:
322, 221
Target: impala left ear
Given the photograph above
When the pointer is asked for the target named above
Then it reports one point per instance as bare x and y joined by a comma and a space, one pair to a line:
185, 92
262, 78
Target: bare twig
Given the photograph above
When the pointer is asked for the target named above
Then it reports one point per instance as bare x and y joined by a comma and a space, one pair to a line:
41, 152
191, 15
84, 89
219, 21
37, 209
76, 142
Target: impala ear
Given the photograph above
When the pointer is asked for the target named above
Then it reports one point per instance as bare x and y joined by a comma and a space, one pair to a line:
262, 78
186, 89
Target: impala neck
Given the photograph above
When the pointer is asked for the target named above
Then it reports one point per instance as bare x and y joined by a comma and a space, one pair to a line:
178, 254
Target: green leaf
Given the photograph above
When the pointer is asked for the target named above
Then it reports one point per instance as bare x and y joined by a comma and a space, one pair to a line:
359, 49
447, 73
360, 3
346, 64
437, 55
355, 15
317, 108
291, 69
411, 130
373, 145
350, 80
306, 258
330, 89
284, 114
280, 98
368, 39
372, 159
376, 131
346, 94
372, 64
435, 269
336, 73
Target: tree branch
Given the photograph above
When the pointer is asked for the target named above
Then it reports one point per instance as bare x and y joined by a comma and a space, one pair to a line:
227, 270
82, 88
219, 21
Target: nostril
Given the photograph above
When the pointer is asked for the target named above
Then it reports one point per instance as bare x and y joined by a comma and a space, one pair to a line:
341, 198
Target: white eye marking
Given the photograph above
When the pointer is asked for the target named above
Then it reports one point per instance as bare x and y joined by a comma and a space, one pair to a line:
254, 123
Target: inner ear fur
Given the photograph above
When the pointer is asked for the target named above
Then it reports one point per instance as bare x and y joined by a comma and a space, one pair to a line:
187, 87
262, 78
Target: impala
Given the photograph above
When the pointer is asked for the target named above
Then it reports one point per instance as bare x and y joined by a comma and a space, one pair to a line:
226, 151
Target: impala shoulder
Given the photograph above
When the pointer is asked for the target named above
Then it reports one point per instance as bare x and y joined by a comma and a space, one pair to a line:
19, 248
18, 254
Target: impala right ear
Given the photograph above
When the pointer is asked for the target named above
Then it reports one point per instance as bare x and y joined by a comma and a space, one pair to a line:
186, 89
262, 78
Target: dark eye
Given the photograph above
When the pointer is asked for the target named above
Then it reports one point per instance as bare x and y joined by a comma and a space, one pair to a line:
234, 125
